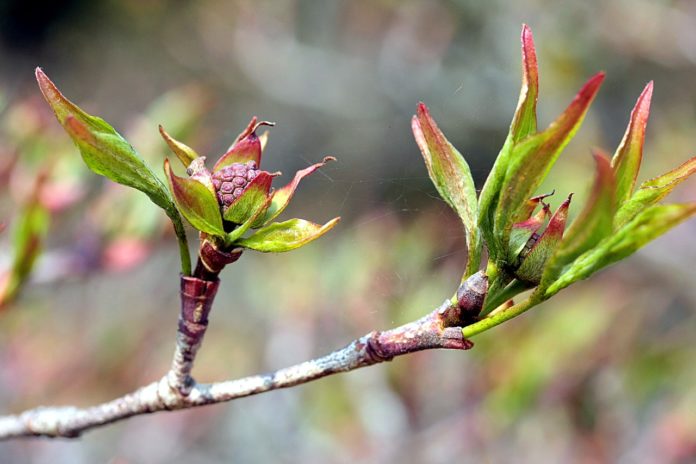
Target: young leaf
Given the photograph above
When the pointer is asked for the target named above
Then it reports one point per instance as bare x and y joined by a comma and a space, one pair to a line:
524, 123
654, 190
247, 147
108, 154
592, 225
629, 154
252, 198
532, 159
103, 149
182, 151
530, 205
248, 224
533, 264
283, 195
648, 225
195, 202
285, 236
523, 231
452, 178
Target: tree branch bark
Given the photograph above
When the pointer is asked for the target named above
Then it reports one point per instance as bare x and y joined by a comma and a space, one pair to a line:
178, 390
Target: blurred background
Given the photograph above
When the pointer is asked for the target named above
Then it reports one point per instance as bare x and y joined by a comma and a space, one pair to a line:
602, 373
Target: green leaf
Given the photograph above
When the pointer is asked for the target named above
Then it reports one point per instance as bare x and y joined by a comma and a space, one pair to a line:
532, 159
108, 154
629, 154
254, 195
195, 202
524, 123
452, 178
103, 149
182, 151
285, 236
243, 228
283, 195
592, 225
654, 190
648, 225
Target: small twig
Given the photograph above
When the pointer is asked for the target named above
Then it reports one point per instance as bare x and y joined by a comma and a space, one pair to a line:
197, 297
426, 333
442, 328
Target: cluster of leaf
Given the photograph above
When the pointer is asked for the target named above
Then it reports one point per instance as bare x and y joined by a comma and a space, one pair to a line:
108, 154
256, 207
615, 222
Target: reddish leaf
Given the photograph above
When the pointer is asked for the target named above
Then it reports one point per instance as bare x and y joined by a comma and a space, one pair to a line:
452, 177
247, 147
532, 266
282, 196
628, 156
524, 124
532, 159
523, 231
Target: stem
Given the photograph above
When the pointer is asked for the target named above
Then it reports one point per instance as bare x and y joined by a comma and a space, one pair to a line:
500, 317
501, 295
197, 296
183, 242
429, 332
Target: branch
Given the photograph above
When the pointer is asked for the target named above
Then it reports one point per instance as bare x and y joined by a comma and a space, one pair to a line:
435, 330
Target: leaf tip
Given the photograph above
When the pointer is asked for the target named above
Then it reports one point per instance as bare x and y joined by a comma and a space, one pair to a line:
593, 84
641, 111
529, 58
47, 87
600, 156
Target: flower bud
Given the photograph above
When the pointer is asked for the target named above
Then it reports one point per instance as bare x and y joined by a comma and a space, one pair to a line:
230, 181
532, 258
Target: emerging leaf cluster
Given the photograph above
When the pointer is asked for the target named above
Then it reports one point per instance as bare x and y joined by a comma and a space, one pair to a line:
108, 154
527, 250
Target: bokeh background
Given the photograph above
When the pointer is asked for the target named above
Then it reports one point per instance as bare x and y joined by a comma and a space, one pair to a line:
602, 373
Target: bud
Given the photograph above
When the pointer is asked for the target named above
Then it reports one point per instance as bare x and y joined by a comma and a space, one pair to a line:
230, 181
237, 196
539, 247
524, 231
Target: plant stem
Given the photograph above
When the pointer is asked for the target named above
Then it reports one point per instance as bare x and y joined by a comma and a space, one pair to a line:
183, 242
500, 317
197, 296
501, 295
430, 332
